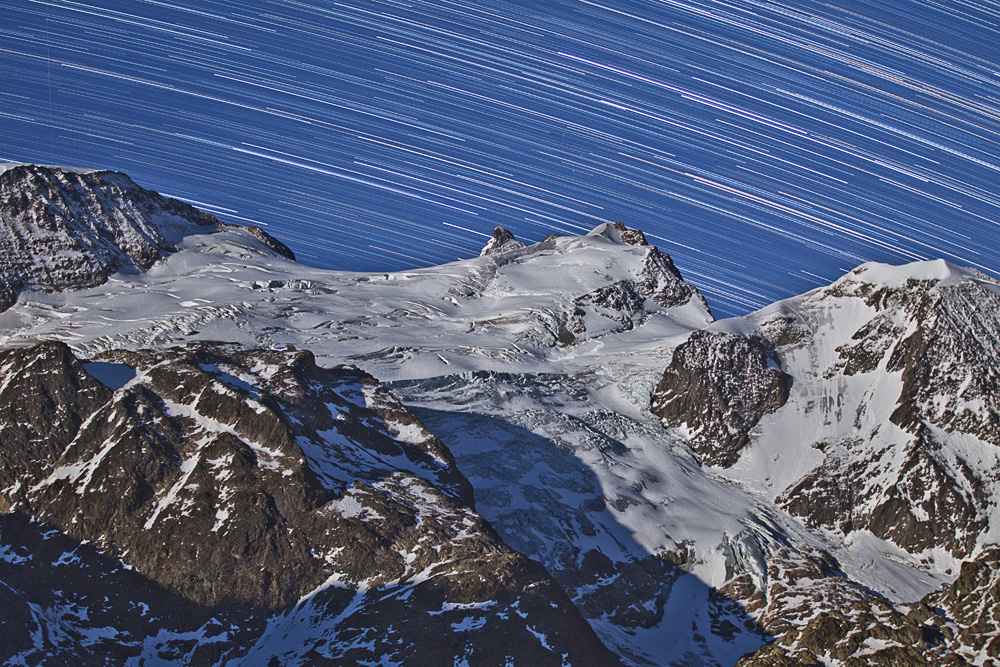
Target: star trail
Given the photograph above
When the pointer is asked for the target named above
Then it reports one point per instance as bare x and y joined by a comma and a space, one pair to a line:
767, 146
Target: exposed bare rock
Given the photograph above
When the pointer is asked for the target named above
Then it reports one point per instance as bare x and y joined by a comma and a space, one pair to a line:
620, 302
660, 281
630, 302
630, 236
502, 241
67, 603
971, 605
265, 238
867, 632
820, 617
930, 499
950, 375
718, 386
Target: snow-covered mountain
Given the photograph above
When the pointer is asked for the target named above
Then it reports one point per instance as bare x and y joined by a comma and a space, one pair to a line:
891, 424
62, 229
798, 486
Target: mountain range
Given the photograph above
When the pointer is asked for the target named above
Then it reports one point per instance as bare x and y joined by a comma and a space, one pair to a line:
550, 454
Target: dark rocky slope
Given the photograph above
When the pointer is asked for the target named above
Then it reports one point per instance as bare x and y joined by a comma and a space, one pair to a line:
273, 497
839, 622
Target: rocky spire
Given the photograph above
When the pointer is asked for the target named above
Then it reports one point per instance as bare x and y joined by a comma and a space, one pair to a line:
502, 241
630, 236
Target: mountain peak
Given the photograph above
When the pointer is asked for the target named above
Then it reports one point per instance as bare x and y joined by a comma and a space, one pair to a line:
7, 166
940, 271
502, 241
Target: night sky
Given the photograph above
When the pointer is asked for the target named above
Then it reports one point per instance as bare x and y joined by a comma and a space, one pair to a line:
767, 146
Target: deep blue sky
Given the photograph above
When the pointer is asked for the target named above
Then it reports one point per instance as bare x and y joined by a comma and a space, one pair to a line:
767, 146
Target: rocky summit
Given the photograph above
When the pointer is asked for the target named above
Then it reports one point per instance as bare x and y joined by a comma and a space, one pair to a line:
550, 454
502, 241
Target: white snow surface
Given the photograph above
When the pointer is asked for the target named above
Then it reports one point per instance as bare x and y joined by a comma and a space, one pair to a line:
539, 428
940, 270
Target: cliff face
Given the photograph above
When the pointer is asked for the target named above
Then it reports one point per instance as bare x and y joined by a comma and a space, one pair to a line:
718, 386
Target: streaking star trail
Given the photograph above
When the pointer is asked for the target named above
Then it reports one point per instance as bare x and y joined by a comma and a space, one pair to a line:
767, 146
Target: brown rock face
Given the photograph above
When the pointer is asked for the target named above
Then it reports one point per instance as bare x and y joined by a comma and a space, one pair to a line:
950, 379
255, 485
502, 241
927, 503
720, 385
630, 236
950, 375
972, 603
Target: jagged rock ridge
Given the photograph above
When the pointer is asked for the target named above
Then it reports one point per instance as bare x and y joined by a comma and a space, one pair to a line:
627, 303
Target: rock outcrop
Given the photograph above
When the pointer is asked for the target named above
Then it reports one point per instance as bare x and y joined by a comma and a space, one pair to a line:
718, 386
502, 241
826, 619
